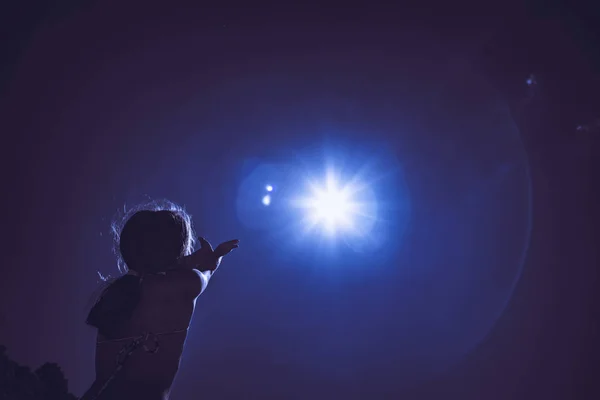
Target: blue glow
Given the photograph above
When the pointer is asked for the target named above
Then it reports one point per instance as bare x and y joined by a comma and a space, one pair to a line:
349, 209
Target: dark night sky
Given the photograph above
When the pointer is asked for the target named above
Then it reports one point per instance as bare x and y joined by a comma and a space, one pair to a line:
103, 104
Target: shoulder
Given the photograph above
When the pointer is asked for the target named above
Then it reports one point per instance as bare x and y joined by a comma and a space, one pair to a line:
189, 282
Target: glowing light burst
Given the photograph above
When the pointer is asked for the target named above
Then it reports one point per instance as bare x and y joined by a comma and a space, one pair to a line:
334, 207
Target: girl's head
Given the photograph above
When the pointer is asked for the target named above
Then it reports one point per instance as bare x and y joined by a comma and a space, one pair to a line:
153, 237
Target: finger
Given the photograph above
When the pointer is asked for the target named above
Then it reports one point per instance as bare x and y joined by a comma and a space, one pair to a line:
226, 247
230, 245
204, 244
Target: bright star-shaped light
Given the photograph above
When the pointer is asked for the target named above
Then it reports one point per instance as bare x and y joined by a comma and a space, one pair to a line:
332, 206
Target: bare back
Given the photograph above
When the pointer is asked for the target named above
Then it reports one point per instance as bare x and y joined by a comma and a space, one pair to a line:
162, 317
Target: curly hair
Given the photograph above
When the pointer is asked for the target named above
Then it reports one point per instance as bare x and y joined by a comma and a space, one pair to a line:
151, 236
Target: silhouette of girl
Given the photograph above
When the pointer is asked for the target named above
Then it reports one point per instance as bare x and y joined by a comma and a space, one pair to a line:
143, 317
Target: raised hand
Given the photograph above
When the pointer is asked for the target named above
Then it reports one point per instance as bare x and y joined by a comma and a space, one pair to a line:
207, 259
226, 247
